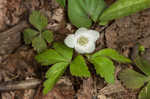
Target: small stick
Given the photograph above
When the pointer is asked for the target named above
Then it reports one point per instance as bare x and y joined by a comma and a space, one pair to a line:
19, 85
19, 27
11, 38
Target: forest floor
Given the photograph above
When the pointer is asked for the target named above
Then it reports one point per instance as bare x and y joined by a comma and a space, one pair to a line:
25, 75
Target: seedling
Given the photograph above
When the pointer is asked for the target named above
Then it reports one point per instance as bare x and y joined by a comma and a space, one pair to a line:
135, 80
60, 57
82, 13
39, 37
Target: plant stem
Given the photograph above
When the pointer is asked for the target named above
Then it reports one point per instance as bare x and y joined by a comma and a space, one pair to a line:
88, 56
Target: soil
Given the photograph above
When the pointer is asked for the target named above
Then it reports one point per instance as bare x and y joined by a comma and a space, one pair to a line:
17, 64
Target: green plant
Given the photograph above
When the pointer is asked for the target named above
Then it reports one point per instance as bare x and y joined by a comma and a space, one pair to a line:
82, 13
85, 11
134, 80
123, 8
61, 57
88, 11
39, 37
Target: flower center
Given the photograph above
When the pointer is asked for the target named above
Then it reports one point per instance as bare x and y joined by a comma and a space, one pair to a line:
82, 40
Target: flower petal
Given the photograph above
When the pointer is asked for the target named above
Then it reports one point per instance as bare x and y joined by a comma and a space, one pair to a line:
80, 50
93, 34
89, 48
70, 40
80, 31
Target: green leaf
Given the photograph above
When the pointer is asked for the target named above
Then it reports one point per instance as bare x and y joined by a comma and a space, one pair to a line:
79, 68
38, 20
49, 57
76, 14
143, 65
48, 36
113, 54
62, 2
123, 8
39, 44
63, 50
104, 67
82, 12
141, 48
53, 75
132, 79
145, 92
28, 35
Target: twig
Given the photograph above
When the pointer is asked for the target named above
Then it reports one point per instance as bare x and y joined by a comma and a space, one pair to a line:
19, 27
10, 39
19, 85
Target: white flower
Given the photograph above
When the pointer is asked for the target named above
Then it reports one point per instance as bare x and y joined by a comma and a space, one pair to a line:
83, 41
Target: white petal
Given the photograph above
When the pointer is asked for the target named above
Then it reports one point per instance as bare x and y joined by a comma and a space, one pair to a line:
93, 34
81, 30
89, 48
80, 49
70, 40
